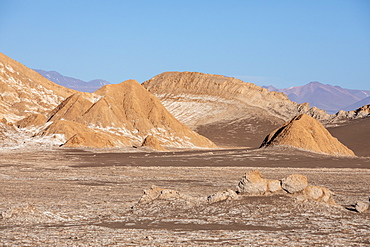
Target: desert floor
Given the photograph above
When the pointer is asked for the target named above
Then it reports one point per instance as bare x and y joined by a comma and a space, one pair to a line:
69, 197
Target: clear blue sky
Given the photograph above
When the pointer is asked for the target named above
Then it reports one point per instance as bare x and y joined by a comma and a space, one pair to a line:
283, 43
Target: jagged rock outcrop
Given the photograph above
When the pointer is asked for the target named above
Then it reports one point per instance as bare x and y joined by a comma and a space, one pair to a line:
157, 193
341, 116
253, 183
24, 91
120, 115
295, 185
306, 133
363, 110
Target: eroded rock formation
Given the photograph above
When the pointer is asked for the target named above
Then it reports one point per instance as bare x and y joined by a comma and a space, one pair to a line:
252, 184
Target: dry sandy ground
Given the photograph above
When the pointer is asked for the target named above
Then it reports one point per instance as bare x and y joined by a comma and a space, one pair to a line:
250, 132
85, 198
355, 134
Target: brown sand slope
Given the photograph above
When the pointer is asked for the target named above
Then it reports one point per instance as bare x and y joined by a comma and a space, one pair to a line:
245, 132
307, 133
355, 134
125, 114
24, 91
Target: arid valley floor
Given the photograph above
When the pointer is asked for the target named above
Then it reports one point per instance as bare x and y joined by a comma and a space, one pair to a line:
78, 169
76, 197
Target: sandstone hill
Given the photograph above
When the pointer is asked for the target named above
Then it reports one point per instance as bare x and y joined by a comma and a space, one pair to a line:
307, 133
23, 91
231, 112
211, 95
118, 115
226, 110
34, 110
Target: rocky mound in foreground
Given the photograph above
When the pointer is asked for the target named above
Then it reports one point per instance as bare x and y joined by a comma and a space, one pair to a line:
307, 133
252, 184
117, 115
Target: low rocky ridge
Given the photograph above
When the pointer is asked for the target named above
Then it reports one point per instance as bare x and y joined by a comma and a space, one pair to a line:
361, 112
307, 133
24, 91
118, 115
251, 184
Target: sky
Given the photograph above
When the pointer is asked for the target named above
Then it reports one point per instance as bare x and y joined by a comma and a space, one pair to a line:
271, 42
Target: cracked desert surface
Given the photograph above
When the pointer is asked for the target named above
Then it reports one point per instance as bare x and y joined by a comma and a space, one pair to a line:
75, 197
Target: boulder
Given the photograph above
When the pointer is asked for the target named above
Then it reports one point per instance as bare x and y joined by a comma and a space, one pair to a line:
273, 185
294, 183
361, 206
319, 194
252, 183
222, 196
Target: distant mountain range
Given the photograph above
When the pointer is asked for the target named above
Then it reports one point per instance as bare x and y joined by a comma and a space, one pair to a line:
327, 97
324, 96
72, 83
